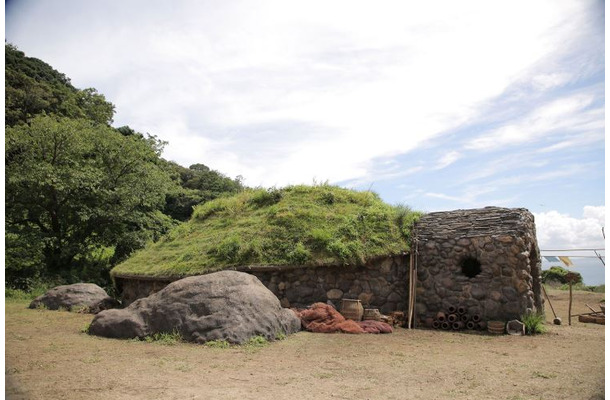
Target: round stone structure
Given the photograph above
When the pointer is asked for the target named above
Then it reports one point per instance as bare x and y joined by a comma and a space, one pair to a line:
486, 260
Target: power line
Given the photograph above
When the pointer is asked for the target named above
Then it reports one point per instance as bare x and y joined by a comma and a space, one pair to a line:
576, 250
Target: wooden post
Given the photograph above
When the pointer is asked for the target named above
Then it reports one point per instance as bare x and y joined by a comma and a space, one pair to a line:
410, 310
570, 306
571, 278
415, 281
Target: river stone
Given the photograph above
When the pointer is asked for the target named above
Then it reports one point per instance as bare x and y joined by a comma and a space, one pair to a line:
228, 305
334, 294
86, 297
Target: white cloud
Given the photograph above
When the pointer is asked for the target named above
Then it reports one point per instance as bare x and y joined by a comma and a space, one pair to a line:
366, 81
562, 231
448, 159
567, 115
547, 81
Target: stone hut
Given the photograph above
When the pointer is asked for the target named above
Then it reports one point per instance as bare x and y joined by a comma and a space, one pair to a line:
486, 260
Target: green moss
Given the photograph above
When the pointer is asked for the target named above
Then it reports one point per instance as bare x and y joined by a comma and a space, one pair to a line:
296, 225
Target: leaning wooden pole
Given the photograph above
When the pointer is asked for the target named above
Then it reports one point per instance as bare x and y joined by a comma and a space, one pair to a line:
415, 284
410, 308
570, 306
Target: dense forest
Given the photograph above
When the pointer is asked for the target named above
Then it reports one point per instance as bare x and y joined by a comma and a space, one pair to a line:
81, 195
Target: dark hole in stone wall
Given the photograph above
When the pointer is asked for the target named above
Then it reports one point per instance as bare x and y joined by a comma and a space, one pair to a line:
471, 267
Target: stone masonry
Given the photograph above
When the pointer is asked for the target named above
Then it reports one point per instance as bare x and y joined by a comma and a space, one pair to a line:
486, 260
381, 283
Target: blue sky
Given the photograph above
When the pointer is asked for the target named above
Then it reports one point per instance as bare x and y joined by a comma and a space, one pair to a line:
439, 105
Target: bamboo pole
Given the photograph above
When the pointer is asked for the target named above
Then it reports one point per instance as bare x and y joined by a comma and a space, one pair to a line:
597, 313
591, 308
549, 300
570, 306
410, 308
415, 281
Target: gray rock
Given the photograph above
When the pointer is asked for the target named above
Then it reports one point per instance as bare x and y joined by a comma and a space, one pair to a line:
228, 305
478, 292
86, 297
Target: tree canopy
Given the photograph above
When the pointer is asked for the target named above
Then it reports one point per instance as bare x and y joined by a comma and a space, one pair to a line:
81, 195
76, 187
33, 87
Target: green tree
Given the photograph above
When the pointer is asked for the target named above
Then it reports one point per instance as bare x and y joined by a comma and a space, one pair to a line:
557, 274
196, 185
77, 191
33, 87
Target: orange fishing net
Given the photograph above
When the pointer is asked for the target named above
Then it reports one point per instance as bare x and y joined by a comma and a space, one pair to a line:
323, 318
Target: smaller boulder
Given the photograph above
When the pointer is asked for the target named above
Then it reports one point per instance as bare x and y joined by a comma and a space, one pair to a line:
85, 297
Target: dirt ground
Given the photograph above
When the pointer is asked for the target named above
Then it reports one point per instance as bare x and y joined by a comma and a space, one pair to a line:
47, 357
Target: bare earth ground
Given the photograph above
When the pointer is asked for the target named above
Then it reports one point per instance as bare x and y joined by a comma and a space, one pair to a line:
47, 357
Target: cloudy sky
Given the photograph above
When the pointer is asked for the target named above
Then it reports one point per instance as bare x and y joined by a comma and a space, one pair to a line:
438, 105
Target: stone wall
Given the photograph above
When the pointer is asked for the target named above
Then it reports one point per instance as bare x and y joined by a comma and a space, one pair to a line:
486, 260
382, 284
132, 289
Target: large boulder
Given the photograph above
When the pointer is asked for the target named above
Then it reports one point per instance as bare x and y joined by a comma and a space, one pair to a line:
228, 305
86, 297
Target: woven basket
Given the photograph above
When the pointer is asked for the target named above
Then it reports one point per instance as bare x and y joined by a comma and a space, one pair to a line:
496, 327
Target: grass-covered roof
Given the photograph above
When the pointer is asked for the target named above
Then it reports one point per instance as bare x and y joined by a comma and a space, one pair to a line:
296, 225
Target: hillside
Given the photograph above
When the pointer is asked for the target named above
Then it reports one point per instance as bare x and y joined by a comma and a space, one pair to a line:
33, 87
81, 195
296, 225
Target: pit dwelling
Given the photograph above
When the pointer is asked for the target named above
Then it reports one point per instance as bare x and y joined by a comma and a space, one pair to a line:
485, 260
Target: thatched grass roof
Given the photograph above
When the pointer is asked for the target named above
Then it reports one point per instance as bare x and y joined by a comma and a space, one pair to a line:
296, 225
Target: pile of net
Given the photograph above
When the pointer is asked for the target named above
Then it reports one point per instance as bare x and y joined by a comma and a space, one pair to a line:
323, 318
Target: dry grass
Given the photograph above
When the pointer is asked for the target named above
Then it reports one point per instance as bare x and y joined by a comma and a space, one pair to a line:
47, 357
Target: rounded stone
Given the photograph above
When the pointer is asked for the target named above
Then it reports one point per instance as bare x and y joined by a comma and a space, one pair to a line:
334, 294
86, 296
510, 293
365, 298
395, 297
478, 292
495, 295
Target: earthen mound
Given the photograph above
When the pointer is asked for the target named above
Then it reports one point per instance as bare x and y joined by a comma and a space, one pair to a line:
86, 297
228, 305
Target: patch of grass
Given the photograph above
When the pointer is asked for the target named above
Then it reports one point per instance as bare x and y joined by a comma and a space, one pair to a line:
323, 375
254, 344
17, 295
263, 198
585, 288
280, 335
534, 323
218, 344
85, 328
296, 225
91, 360
164, 338
36, 287
256, 341
543, 375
